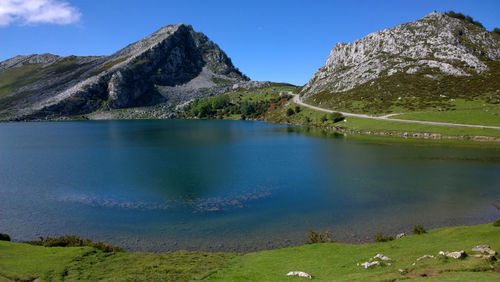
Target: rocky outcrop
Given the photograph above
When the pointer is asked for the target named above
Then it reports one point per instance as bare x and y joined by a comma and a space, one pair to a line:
171, 66
435, 44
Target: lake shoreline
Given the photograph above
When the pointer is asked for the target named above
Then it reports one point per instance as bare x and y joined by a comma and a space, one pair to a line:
402, 135
410, 256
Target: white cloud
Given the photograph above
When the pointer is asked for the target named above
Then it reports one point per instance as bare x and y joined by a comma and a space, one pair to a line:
28, 12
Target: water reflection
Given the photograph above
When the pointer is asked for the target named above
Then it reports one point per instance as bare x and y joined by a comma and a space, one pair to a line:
231, 185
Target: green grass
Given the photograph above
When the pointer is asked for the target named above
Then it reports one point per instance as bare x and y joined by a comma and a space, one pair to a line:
363, 124
324, 261
402, 92
15, 78
20, 261
26, 262
472, 111
109, 65
337, 261
314, 118
466, 112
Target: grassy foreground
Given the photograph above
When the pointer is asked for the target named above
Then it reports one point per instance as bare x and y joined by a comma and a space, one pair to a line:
324, 261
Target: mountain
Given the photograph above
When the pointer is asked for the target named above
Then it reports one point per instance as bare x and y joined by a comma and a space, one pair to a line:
171, 66
411, 66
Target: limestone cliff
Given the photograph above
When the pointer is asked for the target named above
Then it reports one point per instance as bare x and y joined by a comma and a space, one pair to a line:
170, 66
436, 45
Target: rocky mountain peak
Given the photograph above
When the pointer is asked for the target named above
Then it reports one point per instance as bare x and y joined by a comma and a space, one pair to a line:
172, 65
436, 42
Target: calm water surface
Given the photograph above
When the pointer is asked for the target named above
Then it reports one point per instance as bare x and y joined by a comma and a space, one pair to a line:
231, 185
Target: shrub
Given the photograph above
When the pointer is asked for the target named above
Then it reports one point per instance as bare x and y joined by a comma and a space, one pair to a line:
496, 223
318, 237
290, 112
336, 117
247, 108
419, 229
297, 109
74, 241
463, 17
4, 237
323, 118
496, 30
379, 237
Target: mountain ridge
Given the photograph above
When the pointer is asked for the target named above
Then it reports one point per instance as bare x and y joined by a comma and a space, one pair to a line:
172, 65
435, 47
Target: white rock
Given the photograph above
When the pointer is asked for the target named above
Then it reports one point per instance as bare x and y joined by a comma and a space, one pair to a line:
299, 273
382, 257
484, 249
455, 255
400, 235
370, 264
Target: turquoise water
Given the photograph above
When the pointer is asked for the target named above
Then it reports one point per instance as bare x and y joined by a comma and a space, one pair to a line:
231, 185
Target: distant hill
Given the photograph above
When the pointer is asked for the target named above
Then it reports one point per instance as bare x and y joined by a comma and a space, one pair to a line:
417, 65
171, 66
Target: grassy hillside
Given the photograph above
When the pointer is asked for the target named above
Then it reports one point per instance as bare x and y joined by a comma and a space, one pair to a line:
426, 90
19, 261
324, 261
267, 104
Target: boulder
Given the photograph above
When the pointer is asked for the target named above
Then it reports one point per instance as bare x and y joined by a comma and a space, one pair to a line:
456, 255
299, 273
382, 257
485, 249
400, 235
422, 257
370, 264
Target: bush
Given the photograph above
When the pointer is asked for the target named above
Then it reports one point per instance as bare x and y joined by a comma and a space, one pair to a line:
297, 109
4, 237
463, 17
318, 237
379, 237
247, 108
496, 30
323, 118
419, 229
496, 223
336, 117
290, 112
74, 241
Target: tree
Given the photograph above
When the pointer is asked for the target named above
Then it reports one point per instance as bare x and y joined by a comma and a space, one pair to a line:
336, 117
297, 109
220, 102
247, 108
290, 112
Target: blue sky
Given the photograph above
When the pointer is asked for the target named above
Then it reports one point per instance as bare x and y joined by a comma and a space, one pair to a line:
284, 41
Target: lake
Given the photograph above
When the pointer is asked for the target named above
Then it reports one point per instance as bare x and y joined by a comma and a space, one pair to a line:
163, 185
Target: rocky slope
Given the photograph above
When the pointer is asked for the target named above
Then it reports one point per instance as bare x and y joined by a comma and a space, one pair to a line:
434, 47
169, 67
